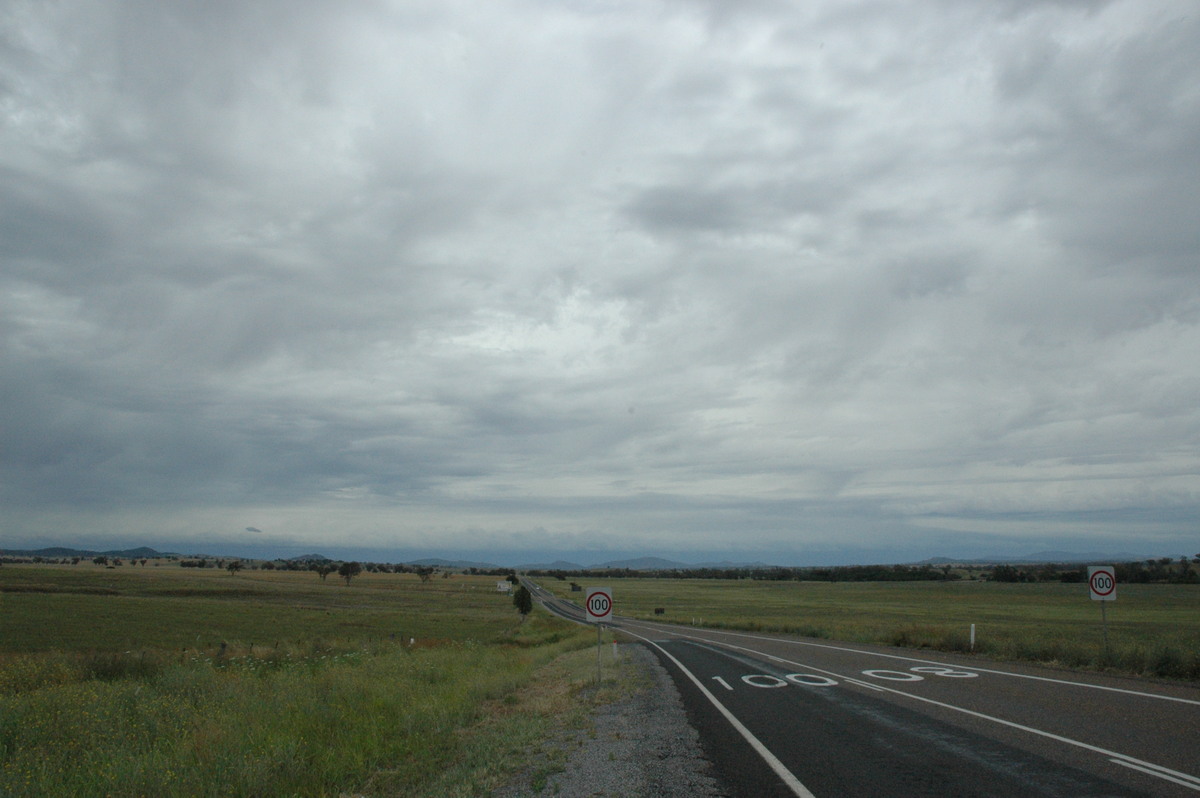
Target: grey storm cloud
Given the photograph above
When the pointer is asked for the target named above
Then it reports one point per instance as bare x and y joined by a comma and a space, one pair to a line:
676, 277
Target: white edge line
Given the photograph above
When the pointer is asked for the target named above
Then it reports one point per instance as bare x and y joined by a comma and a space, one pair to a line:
1137, 764
780, 769
1194, 784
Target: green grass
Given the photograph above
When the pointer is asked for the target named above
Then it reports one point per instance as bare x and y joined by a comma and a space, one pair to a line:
1153, 629
87, 607
113, 682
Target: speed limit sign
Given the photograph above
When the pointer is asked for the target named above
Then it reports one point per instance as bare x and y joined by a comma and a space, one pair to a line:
598, 604
1102, 582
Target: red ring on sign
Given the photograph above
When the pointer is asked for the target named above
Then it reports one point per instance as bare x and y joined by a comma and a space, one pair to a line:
607, 608
1112, 582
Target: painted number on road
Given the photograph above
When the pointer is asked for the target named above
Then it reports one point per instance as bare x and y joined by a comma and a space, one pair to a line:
769, 682
894, 676
936, 670
950, 673
810, 680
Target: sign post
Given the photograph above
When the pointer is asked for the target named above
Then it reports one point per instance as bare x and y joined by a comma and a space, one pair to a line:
1102, 585
598, 608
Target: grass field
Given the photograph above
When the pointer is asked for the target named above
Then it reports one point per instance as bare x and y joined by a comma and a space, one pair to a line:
1153, 629
87, 607
116, 682
166, 681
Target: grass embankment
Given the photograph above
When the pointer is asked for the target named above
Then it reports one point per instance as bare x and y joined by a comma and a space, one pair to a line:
1153, 629
118, 684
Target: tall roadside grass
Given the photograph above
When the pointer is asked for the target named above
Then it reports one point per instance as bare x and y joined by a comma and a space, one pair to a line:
319, 724
147, 683
1169, 658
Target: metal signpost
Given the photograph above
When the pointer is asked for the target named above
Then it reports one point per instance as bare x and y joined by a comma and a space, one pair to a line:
1102, 584
598, 608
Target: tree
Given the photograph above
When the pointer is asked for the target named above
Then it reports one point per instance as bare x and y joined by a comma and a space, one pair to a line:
523, 601
233, 567
349, 570
425, 572
324, 569
1006, 573
1185, 569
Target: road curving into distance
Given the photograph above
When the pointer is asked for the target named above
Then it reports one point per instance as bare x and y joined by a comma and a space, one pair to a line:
788, 716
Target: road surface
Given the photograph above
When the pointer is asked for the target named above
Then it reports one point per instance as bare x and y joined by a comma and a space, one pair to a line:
791, 716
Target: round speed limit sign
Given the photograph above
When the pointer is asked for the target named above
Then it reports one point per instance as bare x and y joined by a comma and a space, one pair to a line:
1102, 582
599, 604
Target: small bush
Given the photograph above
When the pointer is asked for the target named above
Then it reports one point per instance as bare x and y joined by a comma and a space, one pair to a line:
1169, 662
914, 637
108, 666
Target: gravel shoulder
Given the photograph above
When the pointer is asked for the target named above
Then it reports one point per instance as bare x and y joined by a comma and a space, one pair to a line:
642, 745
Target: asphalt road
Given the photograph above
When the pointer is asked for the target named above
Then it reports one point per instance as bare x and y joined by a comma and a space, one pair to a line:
791, 716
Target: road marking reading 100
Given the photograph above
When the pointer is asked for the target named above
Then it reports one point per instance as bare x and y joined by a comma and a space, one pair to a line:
770, 682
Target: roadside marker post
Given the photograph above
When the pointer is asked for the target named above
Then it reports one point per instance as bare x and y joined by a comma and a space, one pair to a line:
1102, 586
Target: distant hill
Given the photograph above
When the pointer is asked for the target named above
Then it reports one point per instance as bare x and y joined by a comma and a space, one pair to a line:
438, 562
140, 553
660, 564
59, 552
639, 564
645, 564
1093, 557
726, 565
310, 558
1038, 557
557, 565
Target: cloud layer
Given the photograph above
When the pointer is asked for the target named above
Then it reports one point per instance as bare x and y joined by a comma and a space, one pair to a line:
671, 277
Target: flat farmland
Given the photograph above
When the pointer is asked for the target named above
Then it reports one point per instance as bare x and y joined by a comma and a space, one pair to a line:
166, 681
88, 607
1153, 629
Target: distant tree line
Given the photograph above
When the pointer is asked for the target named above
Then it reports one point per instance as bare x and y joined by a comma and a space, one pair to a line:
847, 573
1181, 570
1163, 570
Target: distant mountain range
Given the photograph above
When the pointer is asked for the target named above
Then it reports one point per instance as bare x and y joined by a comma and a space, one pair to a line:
58, 552
640, 564
140, 553
1039, 557
438, 562
637, 564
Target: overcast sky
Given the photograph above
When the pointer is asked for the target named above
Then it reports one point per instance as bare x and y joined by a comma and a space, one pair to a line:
800, 282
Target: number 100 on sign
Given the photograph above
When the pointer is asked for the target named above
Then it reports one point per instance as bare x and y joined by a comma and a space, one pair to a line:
599, 604
1102, 582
